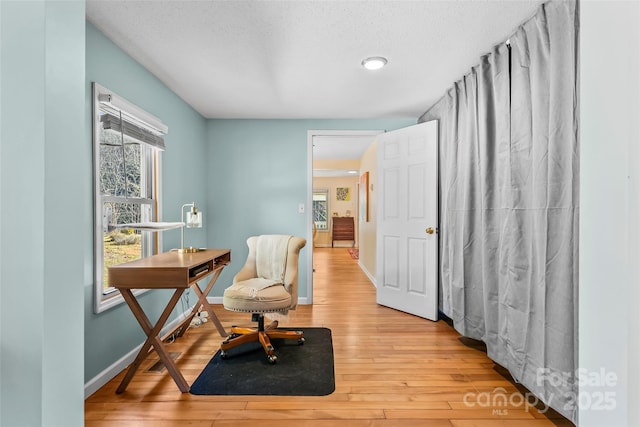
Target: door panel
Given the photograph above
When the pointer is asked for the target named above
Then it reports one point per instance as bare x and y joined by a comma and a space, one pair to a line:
407, 270
392, 262
392, 189
417, 190
417, 277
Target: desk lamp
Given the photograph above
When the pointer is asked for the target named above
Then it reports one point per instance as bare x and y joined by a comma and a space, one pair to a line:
194, 220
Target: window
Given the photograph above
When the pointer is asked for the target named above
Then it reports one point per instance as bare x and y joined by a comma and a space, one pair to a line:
127, 144
321, 209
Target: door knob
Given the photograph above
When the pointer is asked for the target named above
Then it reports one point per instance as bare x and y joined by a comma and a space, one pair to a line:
429, 230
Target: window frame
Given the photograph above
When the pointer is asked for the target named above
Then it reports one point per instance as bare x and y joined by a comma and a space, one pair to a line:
326, 192
151, 156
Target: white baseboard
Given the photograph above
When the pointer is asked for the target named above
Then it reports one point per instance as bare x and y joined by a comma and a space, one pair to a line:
119, 365
369, 275
214, 300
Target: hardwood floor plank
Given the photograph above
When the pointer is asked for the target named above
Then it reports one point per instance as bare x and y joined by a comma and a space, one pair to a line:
392, 370
484, 413
509, 423
199, 411
335, 423
349, 405
151, 423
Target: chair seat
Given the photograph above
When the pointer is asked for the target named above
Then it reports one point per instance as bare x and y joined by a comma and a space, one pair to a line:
256, 296
267, 283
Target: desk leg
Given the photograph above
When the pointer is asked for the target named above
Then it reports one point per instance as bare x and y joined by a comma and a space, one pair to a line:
202, 299
153, 339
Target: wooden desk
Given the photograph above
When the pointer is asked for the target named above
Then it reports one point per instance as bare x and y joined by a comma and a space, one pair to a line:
169, 270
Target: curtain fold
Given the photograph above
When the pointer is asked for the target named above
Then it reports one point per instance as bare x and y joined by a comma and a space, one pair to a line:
509, 165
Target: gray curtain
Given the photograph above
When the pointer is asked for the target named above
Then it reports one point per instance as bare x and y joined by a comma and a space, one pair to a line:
509, 204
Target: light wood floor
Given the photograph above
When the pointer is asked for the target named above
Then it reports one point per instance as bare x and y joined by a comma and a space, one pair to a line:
392, 369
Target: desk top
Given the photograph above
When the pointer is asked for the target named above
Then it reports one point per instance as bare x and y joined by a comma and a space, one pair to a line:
168, 269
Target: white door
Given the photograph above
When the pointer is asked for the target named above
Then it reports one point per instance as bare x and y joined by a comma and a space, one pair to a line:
407, 220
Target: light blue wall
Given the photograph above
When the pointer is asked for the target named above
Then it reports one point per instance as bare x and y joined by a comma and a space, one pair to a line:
257, 174
42, 191
113, 333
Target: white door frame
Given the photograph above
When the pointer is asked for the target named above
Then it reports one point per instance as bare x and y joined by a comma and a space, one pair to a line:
309, 211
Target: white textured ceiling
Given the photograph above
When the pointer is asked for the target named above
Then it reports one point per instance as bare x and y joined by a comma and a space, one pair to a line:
301, 59
339, 147
351, 146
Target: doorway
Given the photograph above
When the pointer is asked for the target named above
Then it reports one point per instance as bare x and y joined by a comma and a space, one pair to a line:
333, 159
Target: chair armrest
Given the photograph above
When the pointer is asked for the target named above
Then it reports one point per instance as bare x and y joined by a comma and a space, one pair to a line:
248, 270
291, 274
245, 273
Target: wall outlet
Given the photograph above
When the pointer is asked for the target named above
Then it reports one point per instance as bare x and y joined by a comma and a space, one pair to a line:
301, 208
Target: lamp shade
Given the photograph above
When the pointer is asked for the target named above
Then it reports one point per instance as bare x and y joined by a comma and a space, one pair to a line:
194, 219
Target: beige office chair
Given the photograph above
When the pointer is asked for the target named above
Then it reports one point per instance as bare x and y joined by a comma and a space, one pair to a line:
268, 283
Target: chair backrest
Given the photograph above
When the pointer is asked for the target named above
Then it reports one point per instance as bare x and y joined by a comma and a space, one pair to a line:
271, 256
250, 268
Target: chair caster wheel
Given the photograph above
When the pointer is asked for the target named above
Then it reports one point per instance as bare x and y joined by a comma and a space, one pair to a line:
272, 359
300, 341
224, 355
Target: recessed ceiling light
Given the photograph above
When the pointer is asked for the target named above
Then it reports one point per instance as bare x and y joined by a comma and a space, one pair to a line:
374, 62
353, 172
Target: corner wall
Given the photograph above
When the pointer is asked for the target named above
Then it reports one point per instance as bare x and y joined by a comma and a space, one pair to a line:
42, 231
258, 175
367, 230
609, 332
113, 334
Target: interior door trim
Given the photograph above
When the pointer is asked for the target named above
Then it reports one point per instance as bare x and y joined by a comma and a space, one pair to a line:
309, 203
